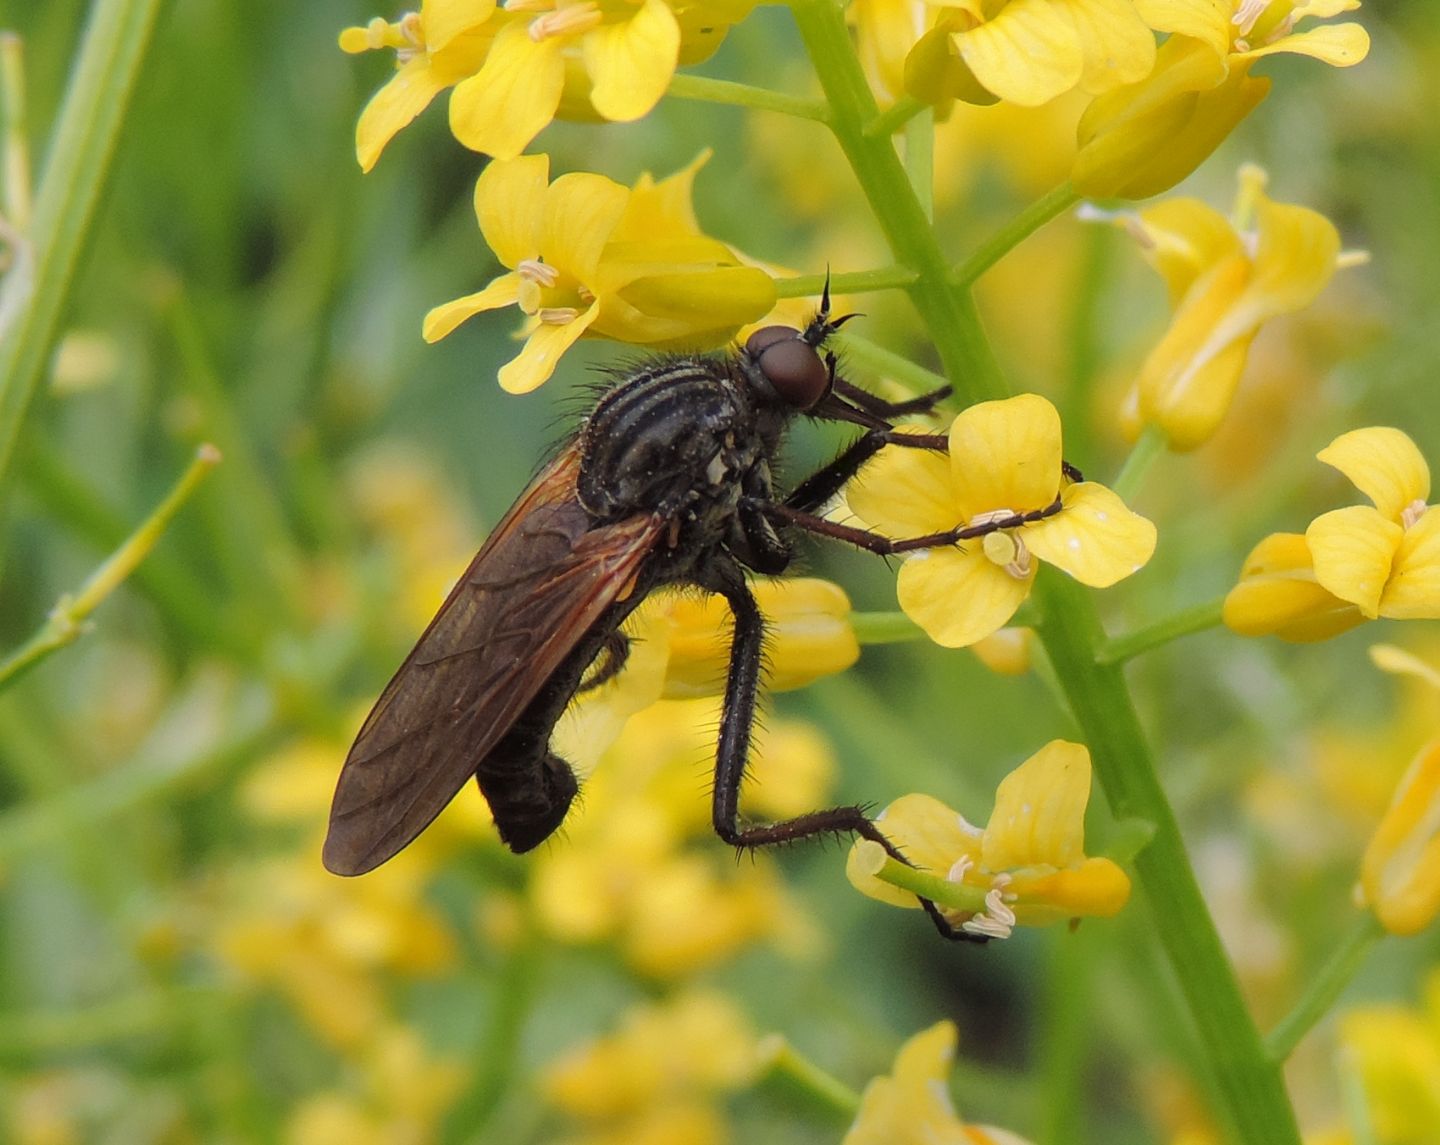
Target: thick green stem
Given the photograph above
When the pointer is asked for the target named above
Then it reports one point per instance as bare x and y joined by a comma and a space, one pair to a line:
949, 315
1249, 1083
1151, 443
1325, 987
108, 64
884, 628
788, 1074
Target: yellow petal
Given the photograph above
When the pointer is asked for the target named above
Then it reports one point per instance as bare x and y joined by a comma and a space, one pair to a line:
536, 362
1095, 537
1400, 873
1095, 888
1183, 238
1039, 816
1188, 397
930, 835
1203, 20
1005, 455
501, 108
632, 61
1384, 464
581, 210
408, 93
1028, 53
1278, 595
1353, 550
1294, 259
1339, 45
959, 597
1117, 46
1413, 591
509, 202
443, 20
702, 308
663, 208
904, 493
444, 318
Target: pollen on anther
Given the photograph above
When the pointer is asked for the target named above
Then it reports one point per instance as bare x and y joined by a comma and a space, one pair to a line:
557, 315
536, 271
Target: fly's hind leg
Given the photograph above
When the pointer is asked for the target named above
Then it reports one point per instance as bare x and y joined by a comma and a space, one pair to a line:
736, 721
608, 663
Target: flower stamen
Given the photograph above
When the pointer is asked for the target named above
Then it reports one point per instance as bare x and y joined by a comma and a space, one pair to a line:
1411, 514
539, 272
569, 21
557, 315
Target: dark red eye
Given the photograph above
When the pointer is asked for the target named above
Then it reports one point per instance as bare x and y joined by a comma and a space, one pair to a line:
790, 364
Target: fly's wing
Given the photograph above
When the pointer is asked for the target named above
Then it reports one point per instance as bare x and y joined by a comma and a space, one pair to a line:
542, 578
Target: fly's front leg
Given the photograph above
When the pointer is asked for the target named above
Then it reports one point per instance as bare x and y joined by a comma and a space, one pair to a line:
733, 752
881, 408
823, 484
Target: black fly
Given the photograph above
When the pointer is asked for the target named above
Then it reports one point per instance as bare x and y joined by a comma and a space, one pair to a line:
667, 482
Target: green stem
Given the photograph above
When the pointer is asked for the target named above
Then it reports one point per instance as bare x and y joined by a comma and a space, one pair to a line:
788, 1073
884, 628
1324, 988
870, 858
1008, 237
854, 282
708, 90
107, 66
896, 116
949, 315
65, 624
920, 160
1151, 443
15, 165
1249, 1083
1197, 618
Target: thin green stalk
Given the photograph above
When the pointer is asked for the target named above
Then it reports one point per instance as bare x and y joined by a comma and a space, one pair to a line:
1248, 1082
109, 62
706, 90
896, 116
1151, 443
1065, 1032
920, 160
1013, 233
884, 628
787, 1073
66, 622
949, 315
1324, 987
1196, 618
15, 163
854, 282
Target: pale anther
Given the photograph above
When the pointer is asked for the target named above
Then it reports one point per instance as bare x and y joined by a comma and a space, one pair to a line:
538, 272
566, 22
557, 315
1412, 513
1246, 15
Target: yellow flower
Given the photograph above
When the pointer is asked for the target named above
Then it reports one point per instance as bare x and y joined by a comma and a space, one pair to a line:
589, 257
1352, 564
1029, 51
807, 636
1004, 461
1027, 867
912, 1105
1400, 873
1225, 280
435, 48
1278, 595
515, 68
1385, 560
1144, 138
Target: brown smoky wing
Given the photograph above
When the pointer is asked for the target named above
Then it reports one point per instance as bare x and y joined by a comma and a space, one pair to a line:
542, 578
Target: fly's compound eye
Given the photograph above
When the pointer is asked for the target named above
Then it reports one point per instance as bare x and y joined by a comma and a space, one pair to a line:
793, 367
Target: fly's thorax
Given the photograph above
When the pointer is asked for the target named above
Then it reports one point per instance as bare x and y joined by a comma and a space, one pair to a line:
676, 437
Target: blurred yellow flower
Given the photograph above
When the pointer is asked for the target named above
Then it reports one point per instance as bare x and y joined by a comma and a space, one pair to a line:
399, 1094
1030, 51
912, 1105
1352, 564
1026, 868
663, 1069
514, 68
589, 257
1400, 872
1225, 280
639, 866
1004, 462
1396, 1053
1143, 138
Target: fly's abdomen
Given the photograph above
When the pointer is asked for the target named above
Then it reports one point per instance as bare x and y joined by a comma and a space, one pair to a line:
661, 435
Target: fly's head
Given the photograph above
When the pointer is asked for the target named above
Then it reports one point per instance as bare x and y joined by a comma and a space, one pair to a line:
790, 369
